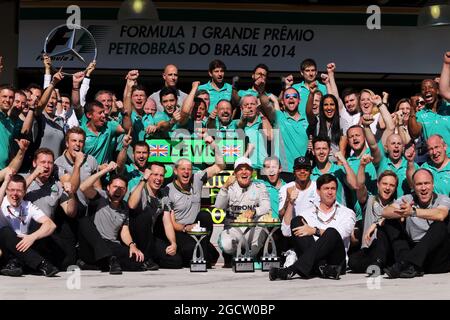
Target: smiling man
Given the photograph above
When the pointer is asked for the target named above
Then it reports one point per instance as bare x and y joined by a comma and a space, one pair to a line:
241, 196
320, 235
417, 231
438, 165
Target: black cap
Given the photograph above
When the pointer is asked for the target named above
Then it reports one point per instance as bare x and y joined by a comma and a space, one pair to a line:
302, 162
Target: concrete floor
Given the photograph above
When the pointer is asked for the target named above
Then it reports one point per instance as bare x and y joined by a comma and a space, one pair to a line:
217, 284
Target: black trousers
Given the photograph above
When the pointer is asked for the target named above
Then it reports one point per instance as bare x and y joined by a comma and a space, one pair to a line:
329, 249
96, 250
30, 258
64, 236
153, 244
186, 244
431, 253
380, 249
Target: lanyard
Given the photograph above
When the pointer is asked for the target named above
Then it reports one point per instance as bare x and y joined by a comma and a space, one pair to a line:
21, 216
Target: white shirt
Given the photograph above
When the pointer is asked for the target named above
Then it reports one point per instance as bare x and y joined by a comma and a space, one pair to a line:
340, 218
304, 198
19, 218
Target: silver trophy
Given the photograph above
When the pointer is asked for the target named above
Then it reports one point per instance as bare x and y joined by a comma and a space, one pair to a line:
70, 47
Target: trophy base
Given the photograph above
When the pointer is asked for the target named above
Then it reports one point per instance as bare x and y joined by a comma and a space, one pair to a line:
243, 265
198, 266
268, 263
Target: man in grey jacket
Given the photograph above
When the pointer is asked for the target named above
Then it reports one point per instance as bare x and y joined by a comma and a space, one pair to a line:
241, 196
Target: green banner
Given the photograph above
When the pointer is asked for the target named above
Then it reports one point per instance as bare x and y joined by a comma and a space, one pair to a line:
196, 150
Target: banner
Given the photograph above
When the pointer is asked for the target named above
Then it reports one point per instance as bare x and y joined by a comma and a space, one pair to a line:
192, 45
195, 150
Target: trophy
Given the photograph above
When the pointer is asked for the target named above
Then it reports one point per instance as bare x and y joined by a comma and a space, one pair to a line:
70, 47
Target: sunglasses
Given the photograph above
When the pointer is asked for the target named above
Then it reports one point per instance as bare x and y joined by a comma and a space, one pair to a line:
291, 95
421, 102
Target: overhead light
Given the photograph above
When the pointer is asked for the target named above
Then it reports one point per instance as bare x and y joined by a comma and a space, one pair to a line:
434, 15
138, 11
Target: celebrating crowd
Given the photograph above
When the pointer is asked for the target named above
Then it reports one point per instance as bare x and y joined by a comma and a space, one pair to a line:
356, 180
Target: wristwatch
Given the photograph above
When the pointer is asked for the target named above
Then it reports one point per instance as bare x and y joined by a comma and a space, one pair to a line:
143, 179
317, 232
414, 211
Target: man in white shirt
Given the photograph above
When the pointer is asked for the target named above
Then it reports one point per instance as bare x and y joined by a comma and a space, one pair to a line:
320, 235
19, 245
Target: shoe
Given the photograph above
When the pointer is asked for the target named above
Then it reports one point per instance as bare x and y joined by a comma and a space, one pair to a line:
330, 271
85, 266
47, 269
411, 271
280, 273
12, 269
150, 265
114, 266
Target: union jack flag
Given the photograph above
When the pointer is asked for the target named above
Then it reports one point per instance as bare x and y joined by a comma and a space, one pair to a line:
231, 151
159, 150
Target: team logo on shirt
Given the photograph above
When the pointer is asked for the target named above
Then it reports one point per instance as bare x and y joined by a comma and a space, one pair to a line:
159, 150
231, 151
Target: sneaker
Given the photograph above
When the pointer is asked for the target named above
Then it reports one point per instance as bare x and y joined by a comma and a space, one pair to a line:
330, 271
47, 269
150, 265
280, 273
291, 257
114, 266
12, 269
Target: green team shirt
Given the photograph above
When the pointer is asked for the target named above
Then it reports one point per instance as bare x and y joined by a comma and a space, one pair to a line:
257, 139
340, 174
133, 176
291, 140
371, 182
216, 95
441, 178
433, 123
273, 195
102, 145
227, 132
140, 124
304, 93
6, 133
387, 164
251, 92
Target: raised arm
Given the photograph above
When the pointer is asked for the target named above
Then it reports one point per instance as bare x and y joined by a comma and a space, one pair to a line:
77, 79
86, 82
361, 191
444, 83
414, 127
385, 115
135, 196
367, 120
57, 77
87, 186
350, 174
122, 156
16, 162
219, 163
188, 103
266, 108
410, 154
